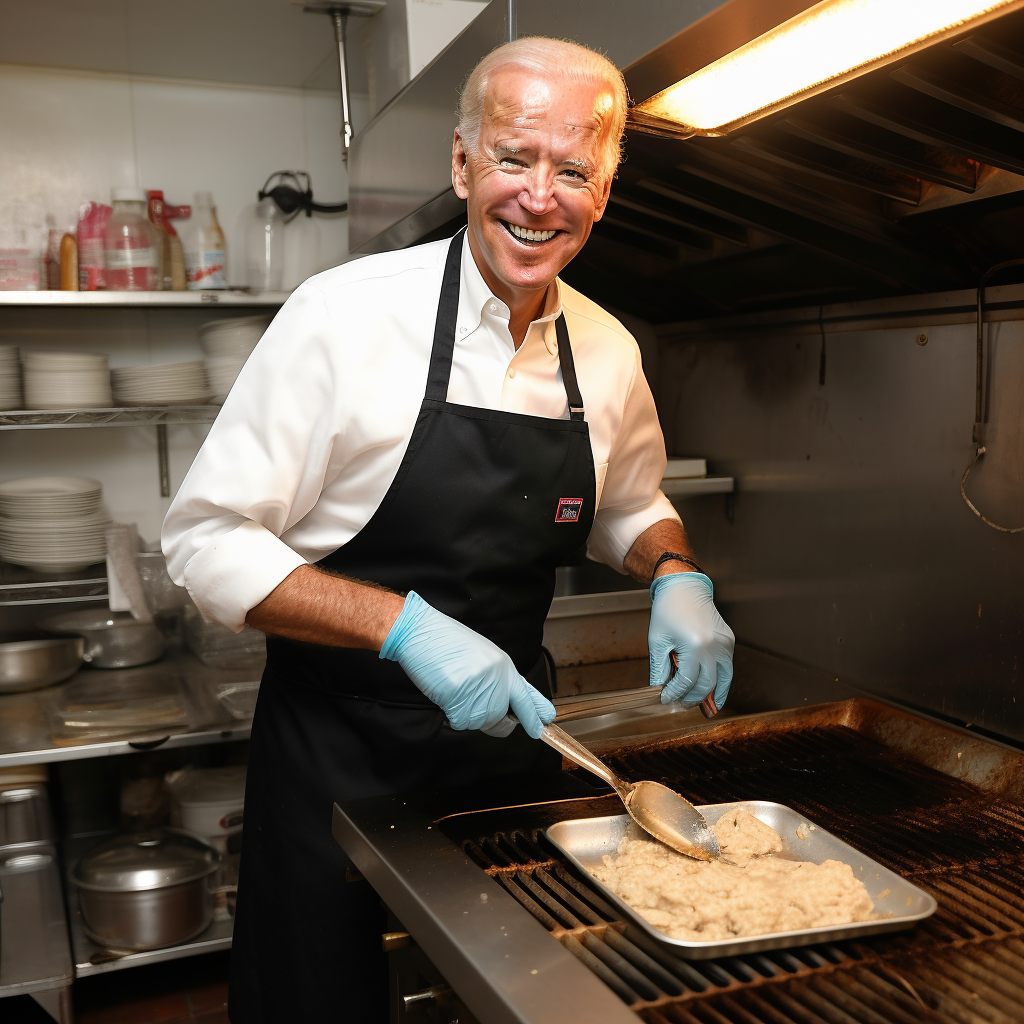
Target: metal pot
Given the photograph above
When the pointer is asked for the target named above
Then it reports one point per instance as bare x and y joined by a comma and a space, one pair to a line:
112, 639
147, 890
33, 664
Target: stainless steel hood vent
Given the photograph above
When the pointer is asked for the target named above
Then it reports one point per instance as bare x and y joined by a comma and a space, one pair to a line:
909, 179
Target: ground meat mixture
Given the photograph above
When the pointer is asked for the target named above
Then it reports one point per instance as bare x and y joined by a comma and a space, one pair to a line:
747, 892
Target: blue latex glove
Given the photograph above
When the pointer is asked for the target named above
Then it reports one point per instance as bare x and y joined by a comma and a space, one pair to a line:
685, 621
472, 680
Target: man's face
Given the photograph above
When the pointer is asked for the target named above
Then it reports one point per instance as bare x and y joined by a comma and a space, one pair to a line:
537, 182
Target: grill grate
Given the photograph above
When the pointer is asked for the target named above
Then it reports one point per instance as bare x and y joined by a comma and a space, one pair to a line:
965, 965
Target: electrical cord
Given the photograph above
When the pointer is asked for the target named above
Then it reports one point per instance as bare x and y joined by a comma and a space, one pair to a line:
978, 434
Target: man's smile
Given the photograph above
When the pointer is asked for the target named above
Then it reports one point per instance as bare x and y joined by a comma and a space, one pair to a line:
528, 236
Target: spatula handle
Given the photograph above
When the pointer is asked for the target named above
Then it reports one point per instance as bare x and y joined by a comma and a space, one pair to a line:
571, 748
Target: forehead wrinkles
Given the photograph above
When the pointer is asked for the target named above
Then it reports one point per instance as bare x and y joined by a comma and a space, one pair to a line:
533, 106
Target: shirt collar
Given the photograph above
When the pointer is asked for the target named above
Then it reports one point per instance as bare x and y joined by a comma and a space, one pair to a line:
476, 299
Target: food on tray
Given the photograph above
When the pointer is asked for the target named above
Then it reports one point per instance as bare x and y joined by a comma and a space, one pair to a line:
748, 892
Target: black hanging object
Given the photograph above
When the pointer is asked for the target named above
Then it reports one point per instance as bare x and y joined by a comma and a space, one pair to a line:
294, 192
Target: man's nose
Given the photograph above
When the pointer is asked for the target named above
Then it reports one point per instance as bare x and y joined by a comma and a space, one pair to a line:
539, 195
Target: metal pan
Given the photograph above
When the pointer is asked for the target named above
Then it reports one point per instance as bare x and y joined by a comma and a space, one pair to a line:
584, 841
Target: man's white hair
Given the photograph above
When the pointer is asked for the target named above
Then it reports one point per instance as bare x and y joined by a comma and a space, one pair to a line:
548, 57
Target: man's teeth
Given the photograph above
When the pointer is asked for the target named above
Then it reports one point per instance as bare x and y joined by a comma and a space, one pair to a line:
529, 235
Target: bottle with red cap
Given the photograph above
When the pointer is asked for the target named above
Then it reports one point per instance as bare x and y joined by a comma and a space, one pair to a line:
172, 262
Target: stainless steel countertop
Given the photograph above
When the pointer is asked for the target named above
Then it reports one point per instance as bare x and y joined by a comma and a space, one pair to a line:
501, 962
25, 735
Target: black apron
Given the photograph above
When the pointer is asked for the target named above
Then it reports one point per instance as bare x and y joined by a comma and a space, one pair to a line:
485, 505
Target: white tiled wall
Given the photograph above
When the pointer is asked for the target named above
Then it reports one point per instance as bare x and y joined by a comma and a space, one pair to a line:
70, 136
66, 137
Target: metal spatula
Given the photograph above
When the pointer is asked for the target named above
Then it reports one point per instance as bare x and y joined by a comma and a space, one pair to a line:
654, 807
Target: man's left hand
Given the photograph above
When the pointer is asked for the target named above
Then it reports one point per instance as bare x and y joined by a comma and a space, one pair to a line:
686, 623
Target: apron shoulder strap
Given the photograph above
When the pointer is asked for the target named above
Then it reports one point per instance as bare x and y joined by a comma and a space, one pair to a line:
443, 348
572, 388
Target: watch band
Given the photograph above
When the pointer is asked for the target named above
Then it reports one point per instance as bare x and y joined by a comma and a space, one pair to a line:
673, 556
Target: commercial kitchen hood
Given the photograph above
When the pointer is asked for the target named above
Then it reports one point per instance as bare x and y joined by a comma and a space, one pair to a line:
907, 179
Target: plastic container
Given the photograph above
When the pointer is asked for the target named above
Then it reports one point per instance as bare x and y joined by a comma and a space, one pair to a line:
92, 229
172, 256
21, 270
263, 231
131, 255
208, 802
205, 248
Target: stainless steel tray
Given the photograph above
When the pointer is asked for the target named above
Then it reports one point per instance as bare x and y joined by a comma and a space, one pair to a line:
584, 841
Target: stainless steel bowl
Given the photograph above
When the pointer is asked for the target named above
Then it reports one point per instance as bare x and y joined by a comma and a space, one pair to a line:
33, 664
147, 890
112, 639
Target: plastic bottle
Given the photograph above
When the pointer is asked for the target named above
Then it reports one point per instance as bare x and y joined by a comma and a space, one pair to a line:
131, 258
51, 258
205, 250
179, 279
92, 227
263, 230
156, 218
68, 262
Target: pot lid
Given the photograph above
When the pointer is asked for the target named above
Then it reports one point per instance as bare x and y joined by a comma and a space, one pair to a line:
153, 859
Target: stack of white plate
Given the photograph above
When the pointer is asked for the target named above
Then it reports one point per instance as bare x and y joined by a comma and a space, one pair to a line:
163, 384
52, 523
66, 380
10, 378
228, 344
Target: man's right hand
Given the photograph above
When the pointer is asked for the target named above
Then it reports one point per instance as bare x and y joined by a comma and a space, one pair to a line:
471, 679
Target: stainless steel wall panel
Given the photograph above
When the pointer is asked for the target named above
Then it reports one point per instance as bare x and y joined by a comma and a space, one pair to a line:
846, 545
623, 32
401, 161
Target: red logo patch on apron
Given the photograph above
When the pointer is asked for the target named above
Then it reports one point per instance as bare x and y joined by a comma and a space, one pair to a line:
568, 510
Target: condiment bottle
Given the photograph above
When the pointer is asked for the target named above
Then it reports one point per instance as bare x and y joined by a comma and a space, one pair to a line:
68, 262
92, 227
178, 277
51, 258
131, 258
156, 218
205, 249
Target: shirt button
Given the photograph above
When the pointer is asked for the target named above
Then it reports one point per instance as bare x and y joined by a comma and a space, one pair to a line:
511, 373
493, 308
462, 330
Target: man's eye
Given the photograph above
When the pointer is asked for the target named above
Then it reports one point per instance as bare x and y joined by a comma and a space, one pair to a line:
510, 161
574, 174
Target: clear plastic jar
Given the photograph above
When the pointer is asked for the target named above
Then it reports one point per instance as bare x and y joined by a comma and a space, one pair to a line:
131, 254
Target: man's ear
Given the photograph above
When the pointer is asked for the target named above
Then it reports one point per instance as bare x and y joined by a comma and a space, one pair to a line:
459, 161
602, 200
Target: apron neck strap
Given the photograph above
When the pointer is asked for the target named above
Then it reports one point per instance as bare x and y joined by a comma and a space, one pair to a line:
444, 326
443, 349
572, 388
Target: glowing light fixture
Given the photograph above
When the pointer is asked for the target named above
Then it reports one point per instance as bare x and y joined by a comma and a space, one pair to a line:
823, 46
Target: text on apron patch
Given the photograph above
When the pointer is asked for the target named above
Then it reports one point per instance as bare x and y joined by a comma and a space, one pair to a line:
568, 510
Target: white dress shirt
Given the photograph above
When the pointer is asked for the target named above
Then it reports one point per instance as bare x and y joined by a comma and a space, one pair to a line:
314, 430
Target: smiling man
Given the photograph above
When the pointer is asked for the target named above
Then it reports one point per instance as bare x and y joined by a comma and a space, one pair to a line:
419, 440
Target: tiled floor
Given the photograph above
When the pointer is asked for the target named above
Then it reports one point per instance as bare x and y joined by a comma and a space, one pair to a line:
190, 991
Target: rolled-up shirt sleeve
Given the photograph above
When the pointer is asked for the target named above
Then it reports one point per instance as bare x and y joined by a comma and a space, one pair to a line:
631, 500
260, 470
